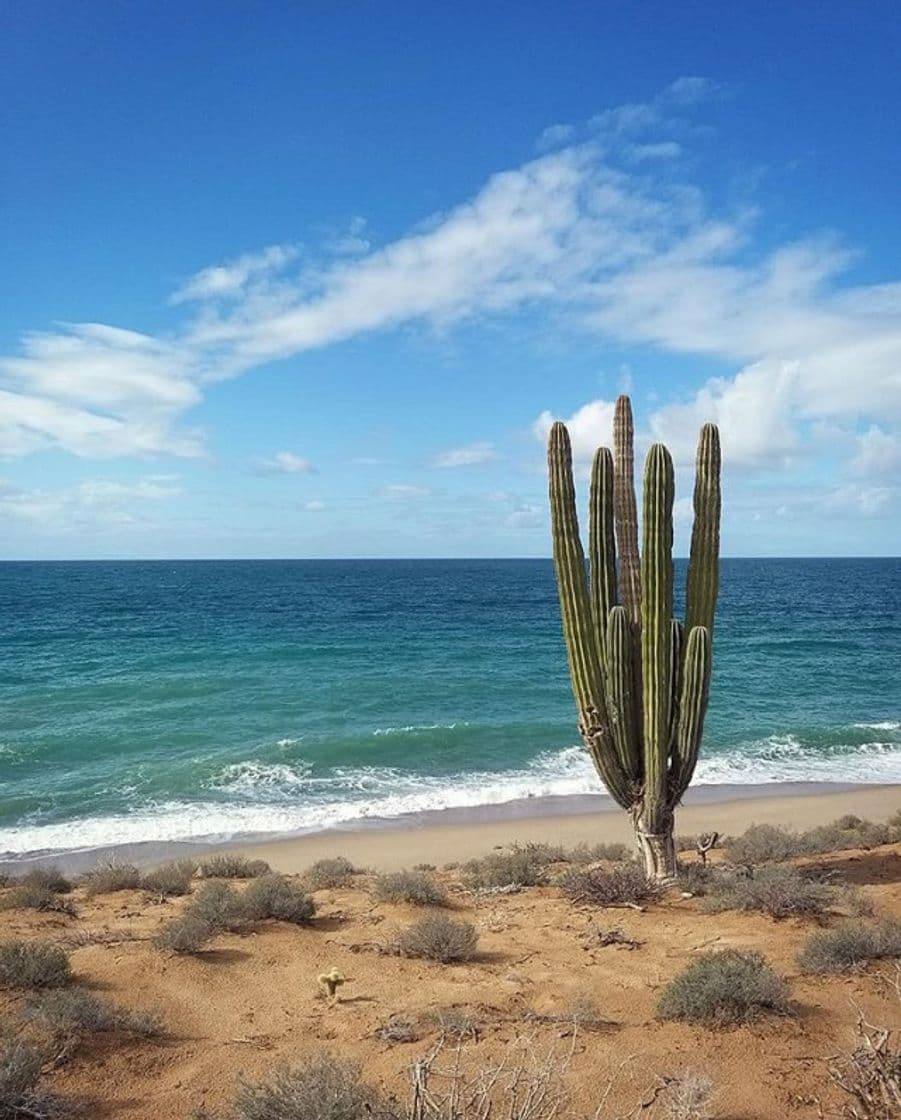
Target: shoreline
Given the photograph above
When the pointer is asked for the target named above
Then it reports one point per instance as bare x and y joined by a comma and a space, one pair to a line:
441, 836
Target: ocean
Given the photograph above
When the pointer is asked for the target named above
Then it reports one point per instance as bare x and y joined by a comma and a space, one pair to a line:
173, 700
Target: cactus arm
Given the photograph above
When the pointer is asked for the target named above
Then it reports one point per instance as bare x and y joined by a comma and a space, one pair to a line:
581, 641
656, 630
601, 549
626, 510
621, 696
692, 709
703, 563
677, 642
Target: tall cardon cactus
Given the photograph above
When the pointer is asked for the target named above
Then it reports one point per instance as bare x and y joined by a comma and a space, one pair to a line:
640, 677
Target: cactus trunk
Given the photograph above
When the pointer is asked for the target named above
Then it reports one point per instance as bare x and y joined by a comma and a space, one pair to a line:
640, 680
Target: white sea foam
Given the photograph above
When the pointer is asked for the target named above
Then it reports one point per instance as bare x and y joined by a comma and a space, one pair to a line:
255, 797
413, 728
882, 725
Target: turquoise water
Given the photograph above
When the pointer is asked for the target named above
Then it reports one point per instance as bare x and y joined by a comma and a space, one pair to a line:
157, 701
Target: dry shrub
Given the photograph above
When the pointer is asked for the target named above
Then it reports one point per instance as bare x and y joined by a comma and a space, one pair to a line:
455, 1023
68, 1015
29, 897
398, 1029
112, 876
170, 879
766, 843
781, 892
186, 934
416, 887
272, 896
518, 867
437, 937
870, 1076
49, 878
227, 866
322, 1088
329, 874
850, 946
33, 964
220, 906
21, 1095
696, 878
724, 988
623, 884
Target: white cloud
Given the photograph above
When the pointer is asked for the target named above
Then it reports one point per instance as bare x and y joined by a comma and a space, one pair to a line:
286, 462
231, 278
473, 454
632, 251
589, 427
404, 491
94, 505
555, 136
314, 506
879, 452
867, 501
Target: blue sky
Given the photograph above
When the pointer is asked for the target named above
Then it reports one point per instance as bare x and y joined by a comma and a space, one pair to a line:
313, 280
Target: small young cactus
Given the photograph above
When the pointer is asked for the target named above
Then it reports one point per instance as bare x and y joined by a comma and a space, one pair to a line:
640, 678
331, 981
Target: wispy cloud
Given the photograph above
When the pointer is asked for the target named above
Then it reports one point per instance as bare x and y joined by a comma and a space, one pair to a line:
95, 505
606, 227
472, 455
404, 491
286, 462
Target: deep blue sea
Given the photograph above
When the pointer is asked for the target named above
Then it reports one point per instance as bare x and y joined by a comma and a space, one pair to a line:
166, 700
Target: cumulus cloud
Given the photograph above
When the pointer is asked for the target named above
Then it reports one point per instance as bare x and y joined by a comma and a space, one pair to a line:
473, 454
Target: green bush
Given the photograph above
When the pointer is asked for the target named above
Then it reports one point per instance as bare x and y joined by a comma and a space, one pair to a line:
322, 1088
623, 883
185, 934
28, 897
107, 878
330, 874
724, 988
436, 937
272, 896
850, 946
518, 867
227, 866
170, 879
33, 964
781, 892
416, 887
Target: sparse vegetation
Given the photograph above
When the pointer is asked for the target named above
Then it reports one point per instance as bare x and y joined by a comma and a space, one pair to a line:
329, 874
170, 879
781, 892
696, 878
455, 1023
227, 866
689, 1097
399, 1028
272, 896
516, 867
185, 934
112, 876
625, 884
439, 938
323, 1088
724, 988
33, 964
850, 946
766, 843
69, 1015
417, 887
32, 897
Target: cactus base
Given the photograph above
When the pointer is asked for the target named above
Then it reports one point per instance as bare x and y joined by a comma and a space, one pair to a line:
659, 852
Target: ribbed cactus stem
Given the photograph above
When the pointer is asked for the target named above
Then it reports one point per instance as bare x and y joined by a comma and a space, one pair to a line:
656, 632
581, 639
601, 546
703, 564
621, 706
692, 708
626, 509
